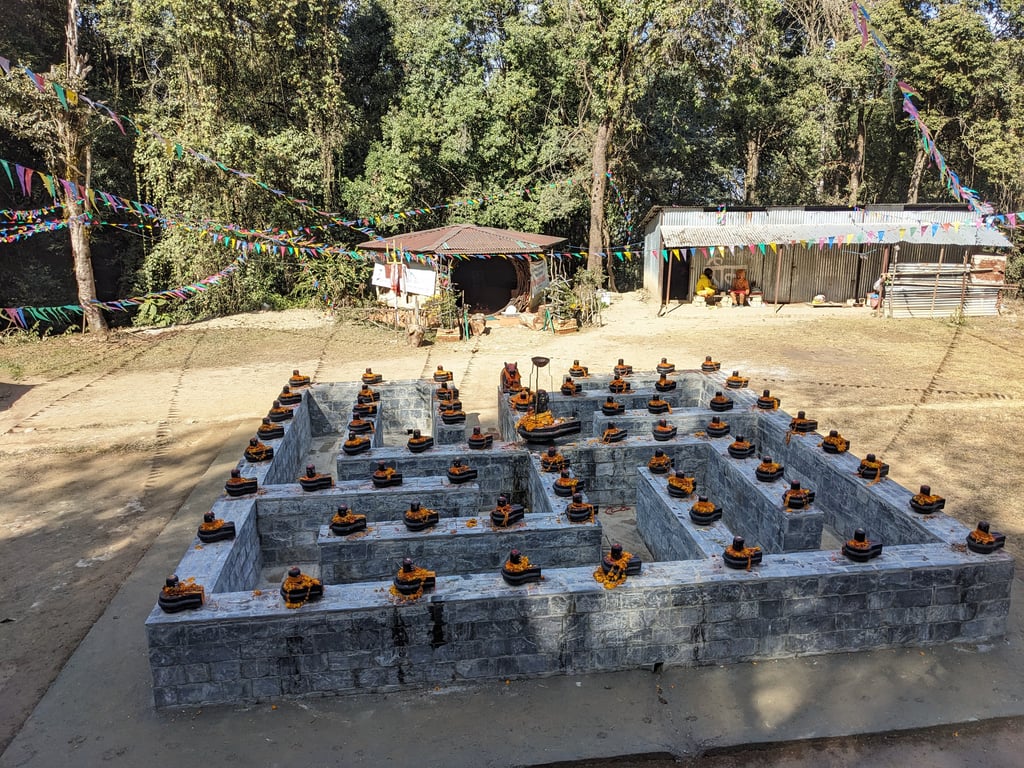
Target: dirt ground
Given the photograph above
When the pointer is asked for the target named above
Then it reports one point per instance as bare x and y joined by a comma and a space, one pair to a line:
103, 439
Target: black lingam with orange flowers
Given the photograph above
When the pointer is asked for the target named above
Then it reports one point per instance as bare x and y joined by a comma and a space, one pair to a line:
860, 548
518, 570
720, 403
214, 529
238, 485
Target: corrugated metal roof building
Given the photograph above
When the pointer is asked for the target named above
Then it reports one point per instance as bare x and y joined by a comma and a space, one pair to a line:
793, 254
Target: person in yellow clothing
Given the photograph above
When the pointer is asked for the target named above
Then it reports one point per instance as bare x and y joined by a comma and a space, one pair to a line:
705, 287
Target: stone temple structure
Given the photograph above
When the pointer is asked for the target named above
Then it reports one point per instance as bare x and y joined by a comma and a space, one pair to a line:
227, 629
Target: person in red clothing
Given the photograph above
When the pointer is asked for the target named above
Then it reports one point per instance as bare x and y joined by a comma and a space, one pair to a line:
740, 289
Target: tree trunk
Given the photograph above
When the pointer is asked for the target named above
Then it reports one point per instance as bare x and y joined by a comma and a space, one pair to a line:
598, 188
753, 168
606, 240
857, 163
915, 177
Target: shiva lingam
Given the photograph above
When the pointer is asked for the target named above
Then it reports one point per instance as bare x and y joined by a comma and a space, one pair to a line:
797, 497
442, 375
663, 431
802, 424
739, 556
578, 371
566, 485
716, 427
983, 541
364, 409
709, 365
367, 395
517, 570
478, 441
369, 377
287, 397
298, 380
510, 379
704, 512
419, 442
618, 385
766, 402
579, 511
543, 427
355, 444
741, 448
506, 513
419, 518
359, 425
656, 405
925, 503
345, 521
238, 485
860, 548
446, 394
570, 387
665, 367
613, 434
177, 595
297, 589
872, 468
279, 413
384, 476
720, 403
835, 443
665, 384
256, 451
660, 463
452, 413
611, 407
681, 485
552, 461
522, 400
214, 529
268, 430
460, 472
736, 381
411, 581
621, 369
315, 481
616, 566
768, 471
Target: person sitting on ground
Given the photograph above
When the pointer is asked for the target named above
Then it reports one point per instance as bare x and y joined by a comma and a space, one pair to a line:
740, 289
705, 287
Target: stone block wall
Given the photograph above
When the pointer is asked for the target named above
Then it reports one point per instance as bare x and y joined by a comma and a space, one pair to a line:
665, 526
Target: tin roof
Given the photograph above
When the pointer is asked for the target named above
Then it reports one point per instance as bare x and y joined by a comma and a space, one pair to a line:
465, 238
896, 230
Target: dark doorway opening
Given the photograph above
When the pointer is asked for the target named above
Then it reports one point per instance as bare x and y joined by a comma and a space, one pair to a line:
487, 285
676, 274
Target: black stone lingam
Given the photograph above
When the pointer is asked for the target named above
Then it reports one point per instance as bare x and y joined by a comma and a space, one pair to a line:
618, 386
297, 589
367, 395
566, 485
656, 406
522, 400
716, 427
238, 485
356, 444
835, 443
517, 570
709, 365
298, 380
287, 397
552, 461
442, 375
506, 513
660, 463
766, 402
871, 468
665, 367
705, 512
613, 434
418, 442
741, 448
256, 451
663, 431
279, 413
768, 471
478, 441
345, 521
665, 384
411, 580
419, 518
446, 394
860, 549
268, 430
802, 424
621, 369
384, 476
177, 596
452, 413
797, 497
371, 378
739, 556
578, 371
681, 485
315, 481
569, 387
736, 381
613, 561
720, 403
925, 503
359, 425
579, 511
365, 409
611, 407
984, 541
460, 472
214, 529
